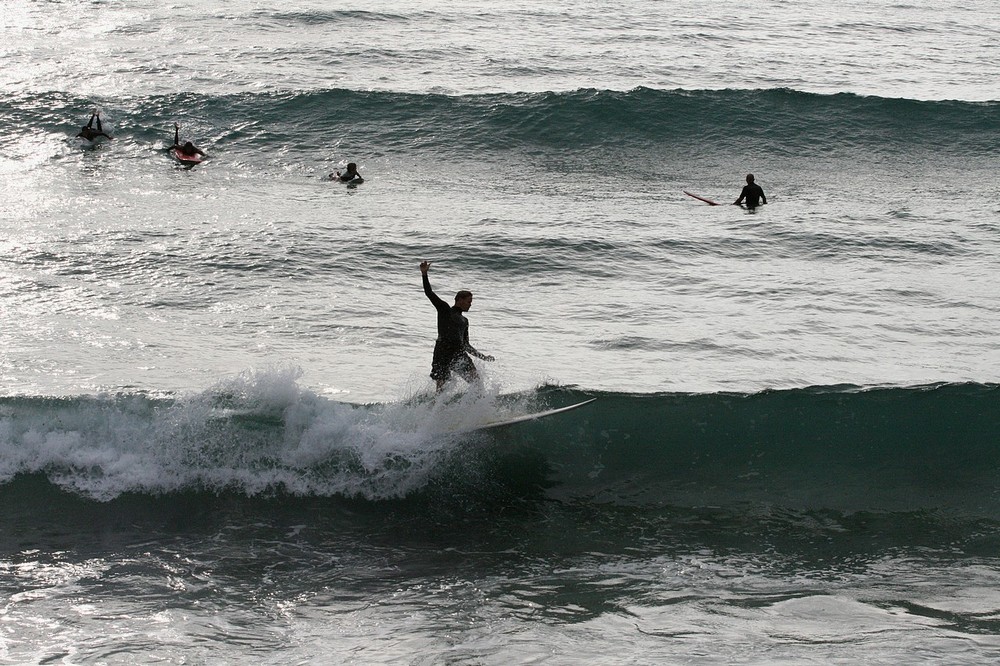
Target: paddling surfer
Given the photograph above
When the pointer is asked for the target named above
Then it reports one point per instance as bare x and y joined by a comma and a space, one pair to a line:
188, 149
752, 192
88, 131
351, 175
452, 348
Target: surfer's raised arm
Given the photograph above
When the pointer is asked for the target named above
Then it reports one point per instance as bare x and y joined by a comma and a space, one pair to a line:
188, 148
434, 298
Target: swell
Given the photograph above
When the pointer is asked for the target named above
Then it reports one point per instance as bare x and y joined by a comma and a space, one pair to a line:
920, 448
779, 121
845, 449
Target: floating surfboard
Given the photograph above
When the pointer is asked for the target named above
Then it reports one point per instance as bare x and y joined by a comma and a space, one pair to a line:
186, 159
527, 417
700, 198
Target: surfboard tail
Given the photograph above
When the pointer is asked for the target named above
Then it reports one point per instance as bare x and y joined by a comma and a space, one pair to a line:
701, 198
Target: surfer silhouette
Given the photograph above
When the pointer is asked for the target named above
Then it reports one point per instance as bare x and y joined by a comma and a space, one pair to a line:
88, 131
188, 149
351, 175
752, 192
452, 348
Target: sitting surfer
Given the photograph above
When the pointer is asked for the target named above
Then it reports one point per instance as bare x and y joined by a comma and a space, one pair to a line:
752, 192
351, 175
89, 132
188, 149
452, 348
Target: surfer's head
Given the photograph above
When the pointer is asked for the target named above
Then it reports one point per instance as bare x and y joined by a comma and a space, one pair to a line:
189, 147
352, 167
463, 300
749, 178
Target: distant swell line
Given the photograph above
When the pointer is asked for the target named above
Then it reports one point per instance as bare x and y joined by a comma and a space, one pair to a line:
782, 121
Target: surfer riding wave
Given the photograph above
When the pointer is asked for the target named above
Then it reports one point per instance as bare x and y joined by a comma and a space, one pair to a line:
452, 349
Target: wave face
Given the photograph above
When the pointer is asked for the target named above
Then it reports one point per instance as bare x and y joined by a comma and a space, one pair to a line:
843, 449
776, 121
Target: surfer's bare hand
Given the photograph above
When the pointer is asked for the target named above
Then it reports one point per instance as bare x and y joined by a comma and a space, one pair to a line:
424, 265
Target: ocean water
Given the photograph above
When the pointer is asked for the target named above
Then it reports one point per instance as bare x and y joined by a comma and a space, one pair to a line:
218, 439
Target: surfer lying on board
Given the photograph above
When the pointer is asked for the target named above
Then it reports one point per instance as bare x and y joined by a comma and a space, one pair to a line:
349, 176
752, 192
188, 148
88, 132
452, 348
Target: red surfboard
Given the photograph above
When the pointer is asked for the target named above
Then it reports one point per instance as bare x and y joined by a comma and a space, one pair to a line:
186, 159
708, 201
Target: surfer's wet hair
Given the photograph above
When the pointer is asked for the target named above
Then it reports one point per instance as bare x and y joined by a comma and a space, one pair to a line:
463, 294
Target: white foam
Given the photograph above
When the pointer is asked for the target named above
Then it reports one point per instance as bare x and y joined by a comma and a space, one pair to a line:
259, 432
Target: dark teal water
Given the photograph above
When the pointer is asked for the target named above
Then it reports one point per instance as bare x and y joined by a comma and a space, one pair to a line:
782, 508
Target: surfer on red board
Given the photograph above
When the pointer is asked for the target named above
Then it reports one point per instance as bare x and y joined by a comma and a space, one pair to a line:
88, 132
753, 193
452, 348
188, 149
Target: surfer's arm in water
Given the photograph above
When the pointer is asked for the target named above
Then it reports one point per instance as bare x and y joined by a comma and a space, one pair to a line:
351, 175
743, 195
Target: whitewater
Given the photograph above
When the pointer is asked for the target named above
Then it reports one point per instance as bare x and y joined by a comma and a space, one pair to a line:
219, 442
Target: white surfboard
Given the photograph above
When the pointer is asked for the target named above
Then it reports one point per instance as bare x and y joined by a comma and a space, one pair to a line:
526, 417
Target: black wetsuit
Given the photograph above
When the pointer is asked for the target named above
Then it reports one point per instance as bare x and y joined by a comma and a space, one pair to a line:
452, 349
754, 195
88, 132
188, 149
351, 178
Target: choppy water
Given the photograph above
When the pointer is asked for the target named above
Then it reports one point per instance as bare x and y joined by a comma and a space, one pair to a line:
215, 440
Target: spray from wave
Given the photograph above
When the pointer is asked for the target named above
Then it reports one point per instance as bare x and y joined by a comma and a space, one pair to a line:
257, 433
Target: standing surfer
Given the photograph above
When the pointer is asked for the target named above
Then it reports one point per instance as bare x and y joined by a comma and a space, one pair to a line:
452, 348
752, 192
88, 132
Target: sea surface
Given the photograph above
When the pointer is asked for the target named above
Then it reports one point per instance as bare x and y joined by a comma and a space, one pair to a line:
219, 443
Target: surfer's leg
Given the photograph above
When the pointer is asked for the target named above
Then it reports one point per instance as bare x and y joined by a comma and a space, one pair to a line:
440, 373
466, 369
443, 363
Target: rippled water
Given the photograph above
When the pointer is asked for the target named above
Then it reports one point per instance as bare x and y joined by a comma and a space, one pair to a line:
216, 438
